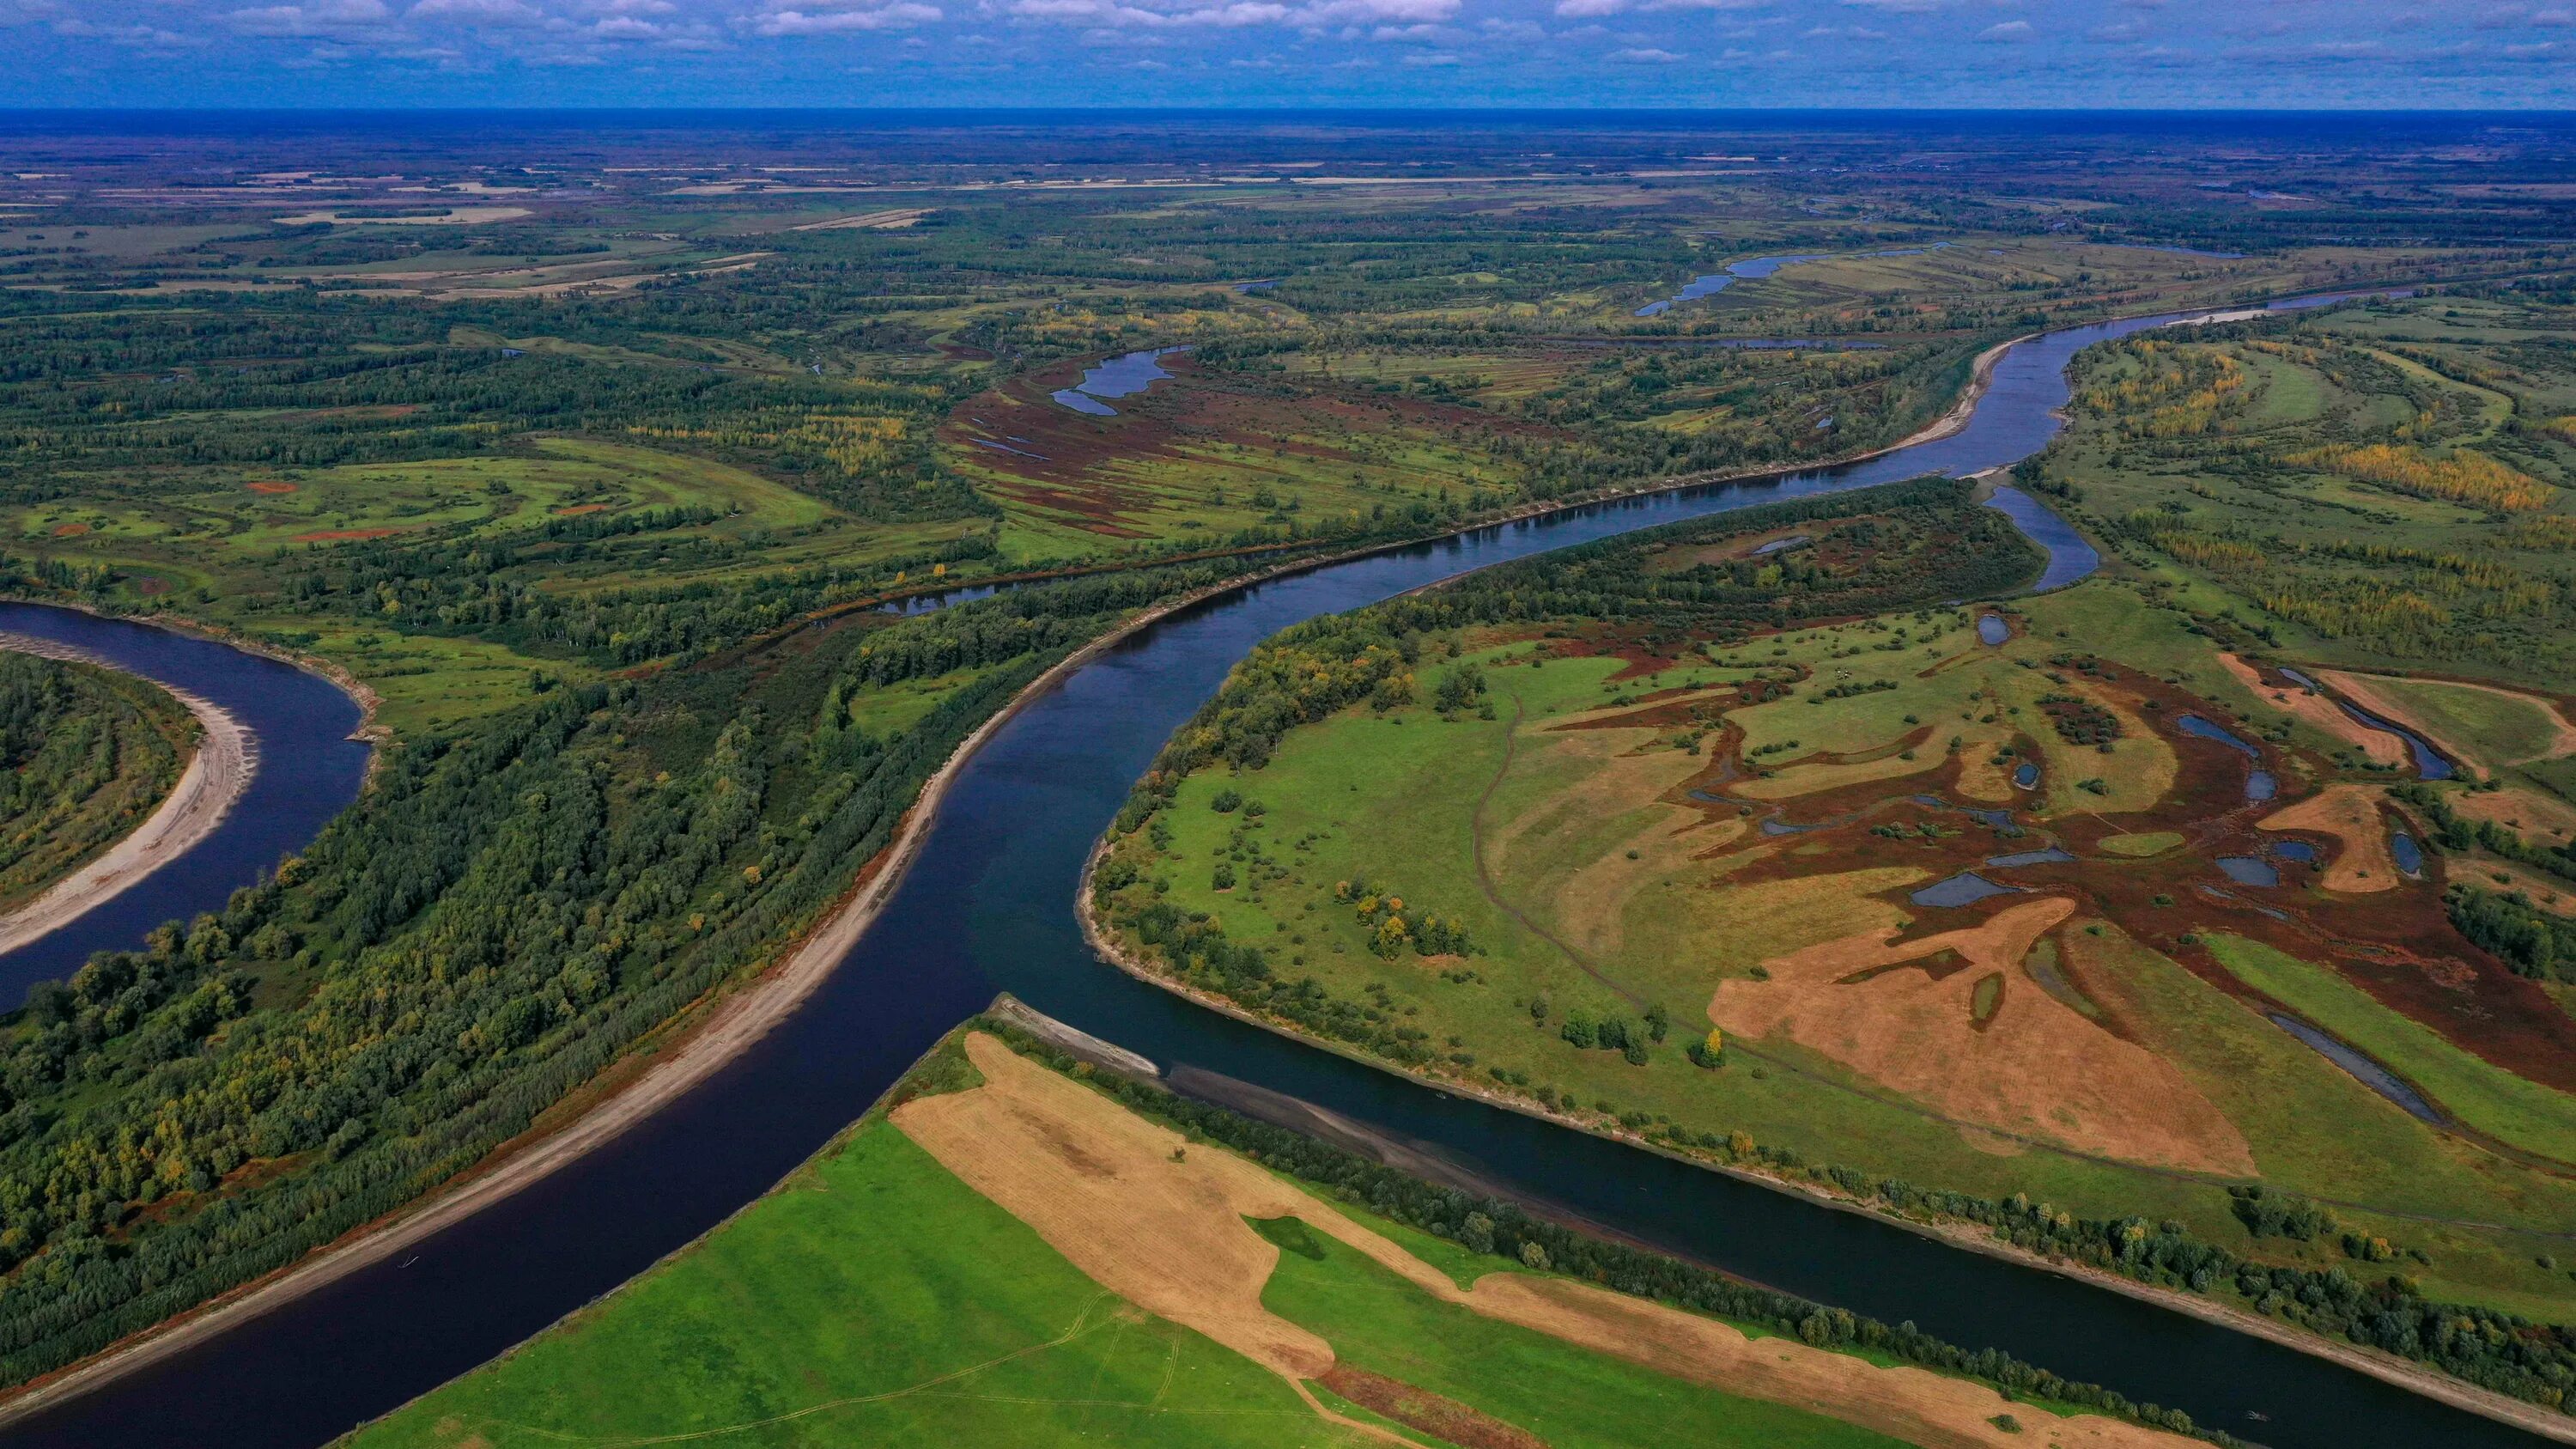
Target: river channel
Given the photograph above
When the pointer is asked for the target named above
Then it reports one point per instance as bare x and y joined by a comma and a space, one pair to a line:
987, 907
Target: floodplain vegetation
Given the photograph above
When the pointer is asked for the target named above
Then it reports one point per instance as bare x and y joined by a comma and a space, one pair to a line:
618, 487
1118, 1264
2071, 917
86, 754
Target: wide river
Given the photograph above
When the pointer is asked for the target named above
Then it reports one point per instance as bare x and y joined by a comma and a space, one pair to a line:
989, 907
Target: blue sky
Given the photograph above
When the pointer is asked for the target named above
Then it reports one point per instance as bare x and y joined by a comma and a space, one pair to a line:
2227, 53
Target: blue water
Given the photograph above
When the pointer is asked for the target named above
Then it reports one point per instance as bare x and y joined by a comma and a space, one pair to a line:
1962, 889
1121, 376
2369, 1073
1756, 268
2260, 784
1992, 629
2409, 855
1777, 544
2026, 775
2298, 850
2429, 764
2050, 856
2249, 870
2070, 558
306, 770
987, 906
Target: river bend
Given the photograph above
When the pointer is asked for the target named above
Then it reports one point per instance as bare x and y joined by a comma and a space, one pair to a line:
988, 907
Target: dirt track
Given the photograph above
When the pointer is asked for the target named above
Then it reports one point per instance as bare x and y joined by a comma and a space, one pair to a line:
1168, 1233
215, 777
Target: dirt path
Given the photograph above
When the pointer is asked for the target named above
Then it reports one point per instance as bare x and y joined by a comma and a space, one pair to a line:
1161, 1222
216, 775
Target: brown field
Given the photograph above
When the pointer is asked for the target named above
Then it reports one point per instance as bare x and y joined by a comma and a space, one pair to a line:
2349, 814
270, 486
2037, 1067
2545, 818
1161, 1222
2378, 746
70, 530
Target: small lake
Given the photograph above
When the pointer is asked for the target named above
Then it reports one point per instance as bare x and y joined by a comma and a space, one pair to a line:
2409, 855
1965, 888
2249, 870
2298, 850
1992, 629
2050, 856
2369, 1073
2026, 776
1754, 269
1778, 545
1122, 376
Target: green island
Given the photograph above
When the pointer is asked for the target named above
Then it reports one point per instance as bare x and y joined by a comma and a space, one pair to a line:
1798, 840
1287, 1293
86, 755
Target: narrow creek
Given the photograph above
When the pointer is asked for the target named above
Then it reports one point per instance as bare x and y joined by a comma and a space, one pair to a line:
988, 907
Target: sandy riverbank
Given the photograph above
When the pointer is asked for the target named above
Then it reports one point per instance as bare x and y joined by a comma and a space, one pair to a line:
216, 775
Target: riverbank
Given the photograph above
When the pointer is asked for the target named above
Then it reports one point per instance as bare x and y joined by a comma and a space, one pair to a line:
2402, 1373
213, 782
727, 1024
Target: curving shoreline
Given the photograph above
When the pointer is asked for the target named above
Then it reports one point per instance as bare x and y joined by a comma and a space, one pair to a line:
2387, 1368
217, 773
734, 1018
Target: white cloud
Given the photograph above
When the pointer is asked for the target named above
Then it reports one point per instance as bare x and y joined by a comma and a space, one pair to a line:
1644, 56
884, 17
475, 12
2009, 30
324, 17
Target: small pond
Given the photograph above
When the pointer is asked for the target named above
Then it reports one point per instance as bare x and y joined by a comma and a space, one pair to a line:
1992, 629
2409, 855
1120, 376
2026, 775
1778, 544
2298, 850
2050, 856
2249, 870
2259, 784
1965, 888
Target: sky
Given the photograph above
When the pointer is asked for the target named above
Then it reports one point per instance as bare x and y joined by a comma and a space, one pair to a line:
1842, 53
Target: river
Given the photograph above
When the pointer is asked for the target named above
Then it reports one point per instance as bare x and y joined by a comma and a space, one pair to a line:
987, 907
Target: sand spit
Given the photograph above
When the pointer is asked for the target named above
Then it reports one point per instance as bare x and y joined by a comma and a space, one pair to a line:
214, 780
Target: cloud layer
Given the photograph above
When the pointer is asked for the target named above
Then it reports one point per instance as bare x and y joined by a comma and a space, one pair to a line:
2397, 53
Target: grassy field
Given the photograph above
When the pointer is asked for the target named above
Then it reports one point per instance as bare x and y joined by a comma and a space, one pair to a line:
1636, 844
833, 1311
2482, 1096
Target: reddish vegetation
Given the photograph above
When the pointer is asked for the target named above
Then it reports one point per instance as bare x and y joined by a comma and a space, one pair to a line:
2396, 944
70, 530
1442, 1418
151, 586
271, 486
575, 510
337, 535
1077, 464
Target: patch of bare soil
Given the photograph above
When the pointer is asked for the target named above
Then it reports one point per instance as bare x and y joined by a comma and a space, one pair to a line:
1444, 1419
2350, 814
2036, 1067
2536, 816
1161, 1222
2377, 745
